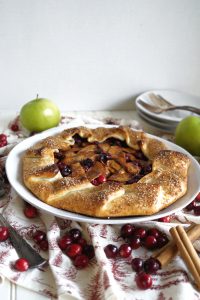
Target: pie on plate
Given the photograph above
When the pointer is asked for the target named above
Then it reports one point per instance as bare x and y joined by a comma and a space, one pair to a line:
105, 172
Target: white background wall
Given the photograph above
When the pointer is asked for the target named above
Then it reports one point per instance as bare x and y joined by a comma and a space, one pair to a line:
97, 54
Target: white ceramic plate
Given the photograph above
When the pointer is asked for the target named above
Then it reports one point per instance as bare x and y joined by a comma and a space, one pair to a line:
156, 123
14, 173
176, 98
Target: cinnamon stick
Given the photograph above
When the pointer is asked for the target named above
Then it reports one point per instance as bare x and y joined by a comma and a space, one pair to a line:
167, 253
187, 252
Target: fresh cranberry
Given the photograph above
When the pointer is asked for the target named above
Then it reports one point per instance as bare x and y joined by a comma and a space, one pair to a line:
4, 233
154, 231
150, 242
152, 265
88, 250
65, 170
81, 241
81, 261
21, 264
3, 140
162, 240
3, 137
141, 232
135, 242
125, 250
87, 163
197, 211
165, 219
197, 197
75, 234
44, 245
39, 236
30, 211
73, 250
111, 251
64, 242
14, 127
137, 264
143, 280
127, 230
191, 206
99, 180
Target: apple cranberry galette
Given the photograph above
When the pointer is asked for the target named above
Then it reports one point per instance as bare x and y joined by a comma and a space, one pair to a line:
105, 172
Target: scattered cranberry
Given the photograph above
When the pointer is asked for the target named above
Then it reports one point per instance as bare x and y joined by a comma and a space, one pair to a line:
39, 236
152, 265
140, 232
197, 211
111, 251
153, 231
3, 137
143, 280
88, 250
64, 242
73, 250
82, 241
125, 250
75, 234
81, 261
30, 211
14, 127
4, 233
127, 230
3, 140
21, 264
137, 264
135, 242
162, 240
191, 206
197, 197
44, 245
150, 242
165, 219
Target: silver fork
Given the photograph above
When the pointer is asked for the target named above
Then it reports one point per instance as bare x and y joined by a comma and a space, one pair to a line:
22, 248
162, 105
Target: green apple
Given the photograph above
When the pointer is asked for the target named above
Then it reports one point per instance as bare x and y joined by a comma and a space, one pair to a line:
39, 114
187, 134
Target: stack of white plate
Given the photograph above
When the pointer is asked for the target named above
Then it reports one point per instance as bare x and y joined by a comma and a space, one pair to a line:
166, 121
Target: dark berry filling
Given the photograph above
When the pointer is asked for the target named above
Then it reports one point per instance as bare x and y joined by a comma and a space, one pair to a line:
87, 163
59, 155
64, 169
79, 140
104, 157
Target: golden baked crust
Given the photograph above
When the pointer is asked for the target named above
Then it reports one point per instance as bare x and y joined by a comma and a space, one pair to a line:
105, 172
